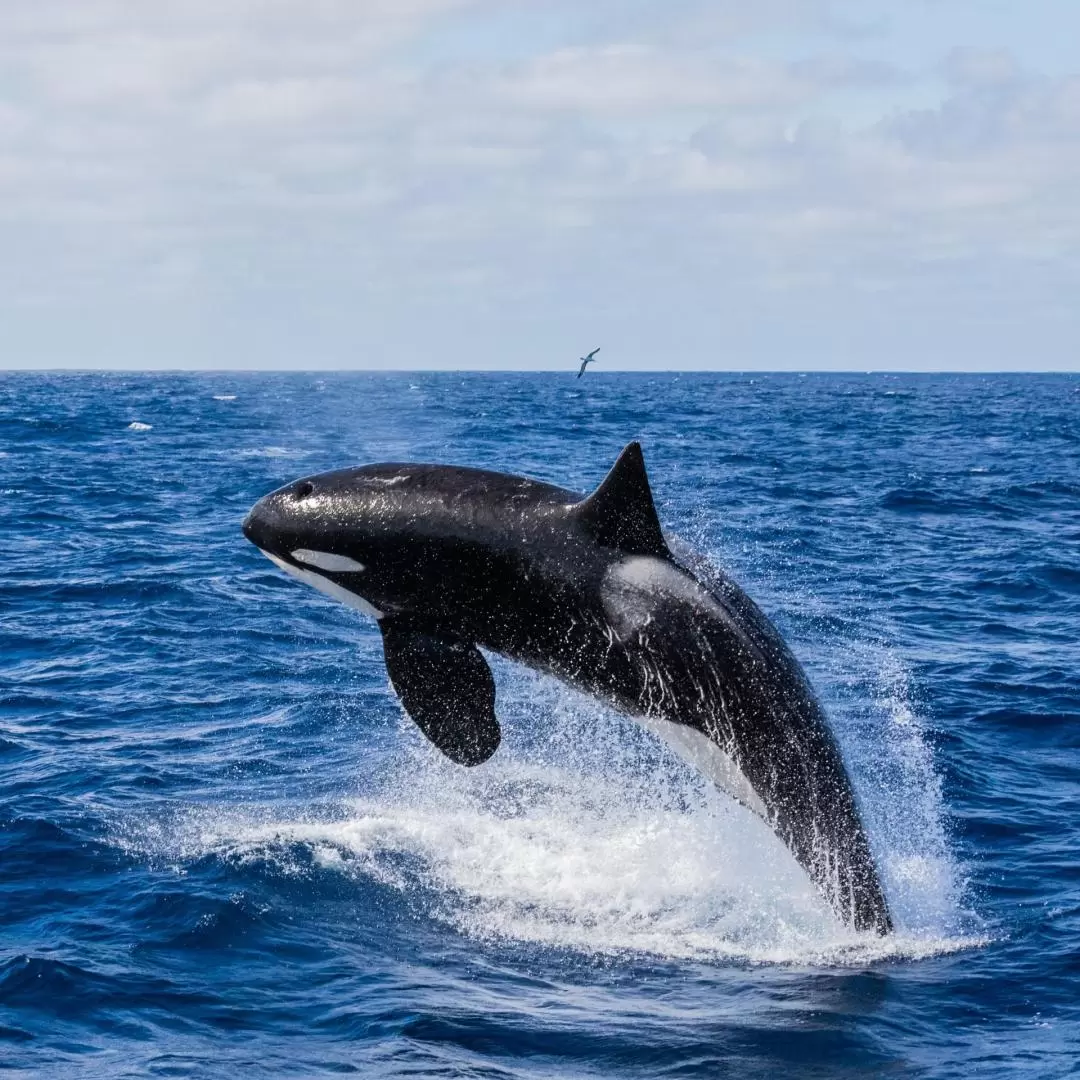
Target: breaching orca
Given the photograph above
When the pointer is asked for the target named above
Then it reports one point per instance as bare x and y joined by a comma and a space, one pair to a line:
448, 559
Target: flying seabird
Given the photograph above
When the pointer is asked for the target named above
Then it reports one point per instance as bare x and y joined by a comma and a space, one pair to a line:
585, 361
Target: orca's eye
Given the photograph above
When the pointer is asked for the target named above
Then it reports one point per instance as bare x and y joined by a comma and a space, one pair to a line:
304, 489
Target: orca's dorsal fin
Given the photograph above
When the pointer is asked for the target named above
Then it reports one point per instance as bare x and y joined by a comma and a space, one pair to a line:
620, 513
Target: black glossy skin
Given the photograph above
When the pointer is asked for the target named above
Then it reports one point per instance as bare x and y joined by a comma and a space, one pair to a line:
507, 563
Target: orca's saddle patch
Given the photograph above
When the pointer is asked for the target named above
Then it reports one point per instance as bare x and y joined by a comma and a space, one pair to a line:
447, 688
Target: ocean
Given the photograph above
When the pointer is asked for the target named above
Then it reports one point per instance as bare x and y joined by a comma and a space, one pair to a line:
225, 851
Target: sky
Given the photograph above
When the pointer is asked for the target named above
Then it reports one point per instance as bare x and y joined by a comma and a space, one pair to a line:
416, 184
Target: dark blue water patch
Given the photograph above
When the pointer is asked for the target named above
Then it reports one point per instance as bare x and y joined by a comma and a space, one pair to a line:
931, 501
1062, 577
222, 848
1031, 722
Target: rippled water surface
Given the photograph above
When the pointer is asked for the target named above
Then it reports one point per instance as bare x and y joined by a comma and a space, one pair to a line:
223, 846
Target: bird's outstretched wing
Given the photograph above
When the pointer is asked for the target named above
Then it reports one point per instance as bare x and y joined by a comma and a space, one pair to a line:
585, 361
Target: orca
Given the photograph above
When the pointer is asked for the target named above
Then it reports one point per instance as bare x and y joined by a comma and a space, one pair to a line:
453, 560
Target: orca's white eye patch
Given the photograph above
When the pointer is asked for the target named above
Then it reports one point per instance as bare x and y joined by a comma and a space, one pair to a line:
326, 560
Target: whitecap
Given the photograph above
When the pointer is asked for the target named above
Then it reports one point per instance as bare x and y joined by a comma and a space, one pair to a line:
138, 425
270, 451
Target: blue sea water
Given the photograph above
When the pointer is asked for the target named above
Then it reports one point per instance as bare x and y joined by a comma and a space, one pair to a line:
225, 851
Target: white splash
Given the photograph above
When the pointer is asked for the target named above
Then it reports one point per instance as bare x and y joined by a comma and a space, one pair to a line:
582, 833
906, 816
138, 425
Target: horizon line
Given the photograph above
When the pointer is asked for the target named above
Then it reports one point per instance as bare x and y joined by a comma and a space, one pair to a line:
63, 370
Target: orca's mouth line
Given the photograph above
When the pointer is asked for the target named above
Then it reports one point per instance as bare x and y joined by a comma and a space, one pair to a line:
324, 584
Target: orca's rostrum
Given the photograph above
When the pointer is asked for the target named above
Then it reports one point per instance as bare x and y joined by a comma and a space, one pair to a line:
452, 559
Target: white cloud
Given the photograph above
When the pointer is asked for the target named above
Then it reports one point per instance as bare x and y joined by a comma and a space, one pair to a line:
636, 78
968, 68
281, 102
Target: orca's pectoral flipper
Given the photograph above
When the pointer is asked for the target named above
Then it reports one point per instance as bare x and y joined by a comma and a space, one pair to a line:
446, 686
